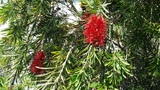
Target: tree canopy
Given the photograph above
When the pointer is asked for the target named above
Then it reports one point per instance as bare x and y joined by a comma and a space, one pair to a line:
109, 44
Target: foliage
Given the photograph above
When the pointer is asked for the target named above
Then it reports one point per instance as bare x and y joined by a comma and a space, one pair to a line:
128, 60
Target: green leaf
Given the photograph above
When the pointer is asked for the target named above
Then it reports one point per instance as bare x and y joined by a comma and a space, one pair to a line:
110, 75
103, 6
125, 62
94, 85
108, 63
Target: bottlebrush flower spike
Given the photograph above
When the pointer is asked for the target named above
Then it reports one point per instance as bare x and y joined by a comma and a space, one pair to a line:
39, 56
95, 30
37, 62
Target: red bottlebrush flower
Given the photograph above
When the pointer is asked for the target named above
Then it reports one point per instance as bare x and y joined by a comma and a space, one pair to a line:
95, 30
39, 56
37, 62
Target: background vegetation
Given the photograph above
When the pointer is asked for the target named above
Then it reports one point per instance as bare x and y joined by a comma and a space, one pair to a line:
130, 59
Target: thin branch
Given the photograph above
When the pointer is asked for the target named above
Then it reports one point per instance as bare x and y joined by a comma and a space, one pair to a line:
64, 64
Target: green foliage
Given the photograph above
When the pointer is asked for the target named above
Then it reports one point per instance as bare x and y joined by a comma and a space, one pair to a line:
118, 68
95, 6
140, 23
128, 60
3, 83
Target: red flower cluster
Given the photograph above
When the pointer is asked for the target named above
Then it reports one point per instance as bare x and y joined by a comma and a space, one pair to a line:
37, 62
95, 30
